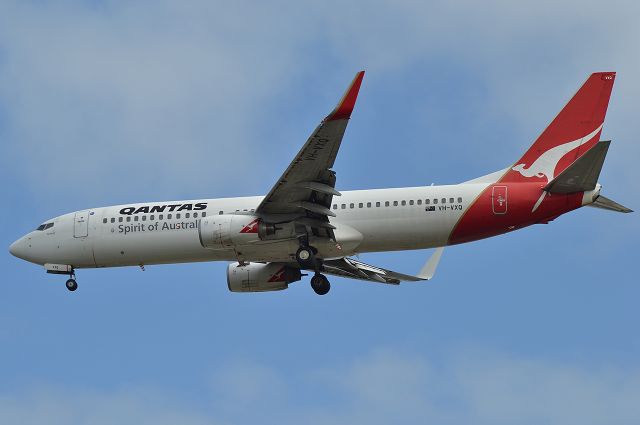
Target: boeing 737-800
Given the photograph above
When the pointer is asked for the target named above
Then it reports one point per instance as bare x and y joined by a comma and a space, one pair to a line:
305, 224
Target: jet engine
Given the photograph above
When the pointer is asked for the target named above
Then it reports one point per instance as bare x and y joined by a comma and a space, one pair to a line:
229, 230
259, 277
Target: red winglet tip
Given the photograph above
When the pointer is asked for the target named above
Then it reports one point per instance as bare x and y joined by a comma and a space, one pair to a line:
348, 101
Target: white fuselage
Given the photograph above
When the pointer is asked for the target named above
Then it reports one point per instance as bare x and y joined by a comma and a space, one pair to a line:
366, 221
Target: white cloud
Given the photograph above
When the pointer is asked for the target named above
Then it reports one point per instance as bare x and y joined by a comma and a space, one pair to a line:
381, 386
175, 95
63, 406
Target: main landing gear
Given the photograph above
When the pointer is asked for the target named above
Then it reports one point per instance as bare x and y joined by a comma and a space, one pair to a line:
320, 284
306, 257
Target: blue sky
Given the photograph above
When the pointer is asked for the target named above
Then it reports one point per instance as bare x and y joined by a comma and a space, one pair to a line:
109, 102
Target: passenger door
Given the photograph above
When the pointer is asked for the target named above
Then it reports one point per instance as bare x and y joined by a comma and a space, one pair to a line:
81, 224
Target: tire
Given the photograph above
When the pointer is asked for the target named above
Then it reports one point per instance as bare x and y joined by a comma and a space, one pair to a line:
71, 285
305, 257
320, 284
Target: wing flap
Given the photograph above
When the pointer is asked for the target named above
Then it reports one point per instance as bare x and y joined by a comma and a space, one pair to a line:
354, 269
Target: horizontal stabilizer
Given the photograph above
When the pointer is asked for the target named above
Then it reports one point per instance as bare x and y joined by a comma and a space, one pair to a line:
582, 175
608, 204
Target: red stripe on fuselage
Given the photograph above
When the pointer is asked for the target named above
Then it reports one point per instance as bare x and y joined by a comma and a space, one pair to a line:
486, 217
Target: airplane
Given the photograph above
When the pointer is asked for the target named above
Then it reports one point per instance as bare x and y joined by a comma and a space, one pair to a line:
305, 224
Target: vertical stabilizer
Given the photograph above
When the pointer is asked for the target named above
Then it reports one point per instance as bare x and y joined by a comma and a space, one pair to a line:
574, 131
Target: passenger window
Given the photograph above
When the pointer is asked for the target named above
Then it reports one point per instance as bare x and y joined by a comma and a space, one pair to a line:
360, 205
444, 200
427, 201
135, 218
411, 202
119, 219
144, 218
153, 217
186, 215
435, 201
460, 200
203, 214
395, 203
104, 220
343, 206
178, 216
351, 206
195, 215
128, 218
386, 203
168, 216
377, 204
159, 217
404, 203
335, 206
419, 201
368, 204
451, 200
113, 219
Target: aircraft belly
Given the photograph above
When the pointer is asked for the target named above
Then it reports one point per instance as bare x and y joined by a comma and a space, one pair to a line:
394, 234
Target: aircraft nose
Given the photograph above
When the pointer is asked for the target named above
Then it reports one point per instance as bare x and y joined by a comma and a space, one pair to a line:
18, 249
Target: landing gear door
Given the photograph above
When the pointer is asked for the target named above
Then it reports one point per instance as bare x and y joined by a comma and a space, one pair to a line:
81, 224
499, 200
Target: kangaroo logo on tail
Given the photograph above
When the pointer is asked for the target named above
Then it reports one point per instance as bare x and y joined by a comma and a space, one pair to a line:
546, 163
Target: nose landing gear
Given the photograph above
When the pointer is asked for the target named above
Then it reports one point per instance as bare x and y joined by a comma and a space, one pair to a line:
71, 284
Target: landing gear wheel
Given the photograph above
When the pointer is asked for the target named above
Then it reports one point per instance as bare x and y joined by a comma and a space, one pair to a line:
71, 285
320, 284
305, 257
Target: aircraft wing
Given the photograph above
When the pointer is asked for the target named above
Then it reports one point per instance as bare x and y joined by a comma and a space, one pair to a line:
305, 190
354, 269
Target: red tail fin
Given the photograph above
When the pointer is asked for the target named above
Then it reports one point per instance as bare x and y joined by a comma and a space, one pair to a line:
572, 133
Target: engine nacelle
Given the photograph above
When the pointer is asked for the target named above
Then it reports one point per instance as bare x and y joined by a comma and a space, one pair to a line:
259, 277
229, 230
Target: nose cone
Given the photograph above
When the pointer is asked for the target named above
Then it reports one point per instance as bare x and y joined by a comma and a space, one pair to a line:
18, 249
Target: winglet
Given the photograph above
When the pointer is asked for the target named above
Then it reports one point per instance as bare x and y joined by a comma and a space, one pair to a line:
429, 268
344, 108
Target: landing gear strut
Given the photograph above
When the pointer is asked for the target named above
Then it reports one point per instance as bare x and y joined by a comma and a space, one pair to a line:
306, 257
71, 284
320, 284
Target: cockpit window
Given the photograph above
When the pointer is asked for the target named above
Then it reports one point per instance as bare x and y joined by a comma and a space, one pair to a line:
45, 226
41, 227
